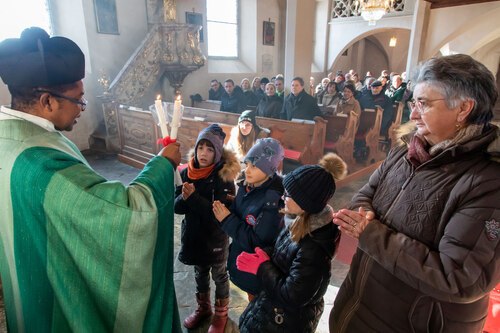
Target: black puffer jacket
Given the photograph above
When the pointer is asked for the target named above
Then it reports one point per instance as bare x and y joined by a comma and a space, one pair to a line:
202, 240
429, 260
294, 281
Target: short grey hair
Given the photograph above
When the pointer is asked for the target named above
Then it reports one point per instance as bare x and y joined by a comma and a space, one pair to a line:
459, 78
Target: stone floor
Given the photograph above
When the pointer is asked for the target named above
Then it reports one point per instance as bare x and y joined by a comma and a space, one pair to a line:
108, 166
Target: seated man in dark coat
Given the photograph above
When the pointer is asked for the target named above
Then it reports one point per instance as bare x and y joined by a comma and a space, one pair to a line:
216, 90
299, 104
374, 98
233, 99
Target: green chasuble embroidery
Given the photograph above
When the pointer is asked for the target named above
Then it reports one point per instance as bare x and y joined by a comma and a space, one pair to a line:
79, 253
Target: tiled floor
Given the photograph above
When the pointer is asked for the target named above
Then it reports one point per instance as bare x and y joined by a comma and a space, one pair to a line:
109, 167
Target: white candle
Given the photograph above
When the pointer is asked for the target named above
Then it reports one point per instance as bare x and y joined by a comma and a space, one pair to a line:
161, 116
176, 118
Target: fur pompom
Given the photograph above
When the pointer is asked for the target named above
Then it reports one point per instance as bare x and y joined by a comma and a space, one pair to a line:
335, 165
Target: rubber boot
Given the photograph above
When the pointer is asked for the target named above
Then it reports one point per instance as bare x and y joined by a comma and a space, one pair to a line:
202, 312
219, 320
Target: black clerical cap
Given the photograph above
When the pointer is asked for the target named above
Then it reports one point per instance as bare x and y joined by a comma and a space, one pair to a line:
35, 59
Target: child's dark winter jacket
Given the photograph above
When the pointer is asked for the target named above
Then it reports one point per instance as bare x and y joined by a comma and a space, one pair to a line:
255, 221
202, 240
294, 281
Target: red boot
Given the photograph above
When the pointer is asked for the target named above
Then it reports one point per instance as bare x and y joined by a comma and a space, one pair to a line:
202, 312
219, 321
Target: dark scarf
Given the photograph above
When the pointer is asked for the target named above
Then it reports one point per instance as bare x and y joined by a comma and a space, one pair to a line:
418, 151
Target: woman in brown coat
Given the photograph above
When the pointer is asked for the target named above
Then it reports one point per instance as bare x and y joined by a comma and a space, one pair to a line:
428, 220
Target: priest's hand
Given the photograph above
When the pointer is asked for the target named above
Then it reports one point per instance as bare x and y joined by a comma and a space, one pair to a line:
172, 153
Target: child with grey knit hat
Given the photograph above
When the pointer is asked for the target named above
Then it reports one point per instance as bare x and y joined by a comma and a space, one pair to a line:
254, 219
295, 273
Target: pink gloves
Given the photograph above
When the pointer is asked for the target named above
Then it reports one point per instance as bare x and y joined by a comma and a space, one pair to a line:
250, 262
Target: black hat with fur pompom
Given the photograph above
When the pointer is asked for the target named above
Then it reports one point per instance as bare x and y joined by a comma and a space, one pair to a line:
311, 186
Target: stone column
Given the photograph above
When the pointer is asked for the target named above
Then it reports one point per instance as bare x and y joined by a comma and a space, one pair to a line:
300, 18
418, 34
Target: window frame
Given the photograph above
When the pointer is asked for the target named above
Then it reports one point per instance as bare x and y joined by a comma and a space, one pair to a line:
238, 36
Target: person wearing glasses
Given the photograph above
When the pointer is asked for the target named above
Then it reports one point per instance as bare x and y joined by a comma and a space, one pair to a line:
216, 90
78, 253
429, 250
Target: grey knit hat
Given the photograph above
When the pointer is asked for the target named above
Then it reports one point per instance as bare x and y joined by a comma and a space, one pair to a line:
266, 154
216, 136
311, 186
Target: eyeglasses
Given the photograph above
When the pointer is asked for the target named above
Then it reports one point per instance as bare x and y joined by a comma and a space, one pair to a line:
82, 102
421, 105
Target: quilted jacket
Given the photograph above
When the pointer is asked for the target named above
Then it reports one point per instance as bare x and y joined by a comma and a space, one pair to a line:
294, 281
429, 260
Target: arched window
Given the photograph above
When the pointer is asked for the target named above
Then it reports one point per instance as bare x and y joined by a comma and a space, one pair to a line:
21, 14
222, 28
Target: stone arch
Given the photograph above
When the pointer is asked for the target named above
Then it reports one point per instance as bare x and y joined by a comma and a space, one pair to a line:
381, 56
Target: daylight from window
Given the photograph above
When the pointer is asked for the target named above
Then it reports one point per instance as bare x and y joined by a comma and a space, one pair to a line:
222, 28
16, 15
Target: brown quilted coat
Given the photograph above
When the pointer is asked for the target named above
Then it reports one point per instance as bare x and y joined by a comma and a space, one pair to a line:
430, 259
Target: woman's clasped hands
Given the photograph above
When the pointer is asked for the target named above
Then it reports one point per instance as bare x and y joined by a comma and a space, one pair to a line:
353, 222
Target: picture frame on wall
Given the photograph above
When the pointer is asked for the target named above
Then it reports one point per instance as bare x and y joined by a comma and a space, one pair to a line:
106, 17
268, 30
196, 19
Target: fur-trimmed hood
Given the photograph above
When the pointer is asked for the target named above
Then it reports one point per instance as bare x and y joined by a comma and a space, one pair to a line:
230, 168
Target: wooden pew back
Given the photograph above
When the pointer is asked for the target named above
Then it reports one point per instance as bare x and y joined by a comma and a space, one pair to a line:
392, 132
138, 134
207, 104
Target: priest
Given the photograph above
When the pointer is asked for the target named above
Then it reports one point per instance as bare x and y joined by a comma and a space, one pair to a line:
78, 253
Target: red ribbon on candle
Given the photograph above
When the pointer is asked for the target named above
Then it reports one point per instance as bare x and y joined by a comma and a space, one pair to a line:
166, 141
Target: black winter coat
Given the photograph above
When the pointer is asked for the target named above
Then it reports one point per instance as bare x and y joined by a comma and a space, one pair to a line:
294, 281
216, 95
202, 240
370, 101
236, 103
302, 106
270, 107
251, 100
254, 221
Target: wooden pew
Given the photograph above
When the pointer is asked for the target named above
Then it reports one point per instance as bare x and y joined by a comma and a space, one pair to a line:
207, 104
392, 132
340, 132
369, 129
303, 140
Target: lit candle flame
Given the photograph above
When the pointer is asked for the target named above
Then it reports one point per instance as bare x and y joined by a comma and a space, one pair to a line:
158, 97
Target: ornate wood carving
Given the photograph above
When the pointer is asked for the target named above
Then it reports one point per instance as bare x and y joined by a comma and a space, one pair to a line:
172, 50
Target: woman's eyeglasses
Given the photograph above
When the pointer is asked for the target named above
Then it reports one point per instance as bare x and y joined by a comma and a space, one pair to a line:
421, 105
82, 102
